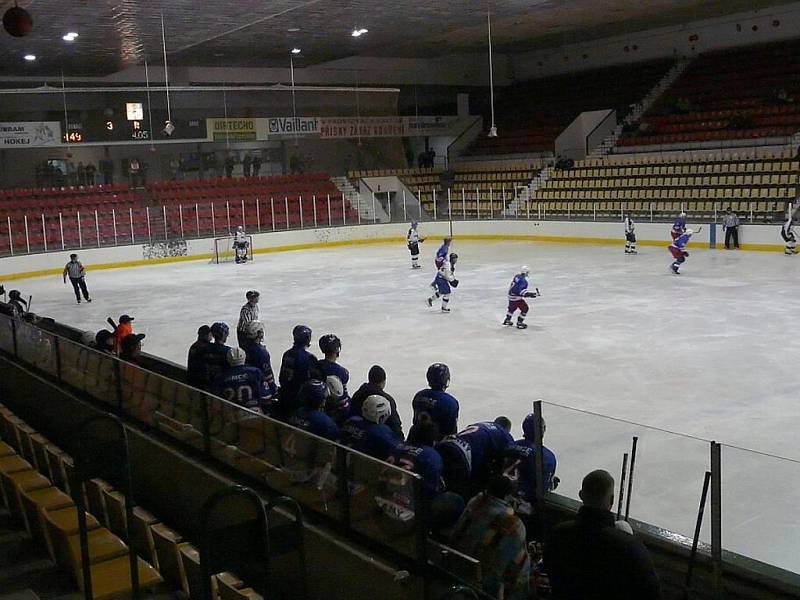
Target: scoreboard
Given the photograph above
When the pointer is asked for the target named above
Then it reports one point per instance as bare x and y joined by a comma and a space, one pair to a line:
128, 123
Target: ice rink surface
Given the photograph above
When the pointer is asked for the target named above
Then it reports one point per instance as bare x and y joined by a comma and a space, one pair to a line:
710, 353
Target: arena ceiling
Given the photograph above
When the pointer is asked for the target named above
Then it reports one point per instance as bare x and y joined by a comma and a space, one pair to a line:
114, 34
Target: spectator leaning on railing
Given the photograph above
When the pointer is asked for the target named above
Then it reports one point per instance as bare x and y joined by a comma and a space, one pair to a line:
593, 558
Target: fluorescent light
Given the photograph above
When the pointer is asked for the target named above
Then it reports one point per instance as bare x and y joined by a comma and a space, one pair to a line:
30, 57
359, 32
70, 37
296, 50
293, 29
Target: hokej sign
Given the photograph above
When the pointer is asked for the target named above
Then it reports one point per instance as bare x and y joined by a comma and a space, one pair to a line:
30, 134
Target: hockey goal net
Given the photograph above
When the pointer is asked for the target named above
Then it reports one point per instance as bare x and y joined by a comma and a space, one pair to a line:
224, 251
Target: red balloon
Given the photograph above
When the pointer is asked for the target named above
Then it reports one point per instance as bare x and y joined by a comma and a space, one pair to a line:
17, 21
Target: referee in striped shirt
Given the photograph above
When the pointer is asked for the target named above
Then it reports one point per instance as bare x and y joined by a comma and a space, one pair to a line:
76, 273
248, 313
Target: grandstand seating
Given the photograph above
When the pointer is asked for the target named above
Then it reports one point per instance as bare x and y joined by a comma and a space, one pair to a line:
31, 493
530, 115
735, 94
659, 187
105, 215
499, 182
426, 183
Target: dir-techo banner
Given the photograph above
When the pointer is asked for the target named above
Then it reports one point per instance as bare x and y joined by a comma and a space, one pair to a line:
30, 134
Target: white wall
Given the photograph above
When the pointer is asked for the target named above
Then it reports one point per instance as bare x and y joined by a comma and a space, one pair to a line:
664, 42
573, 232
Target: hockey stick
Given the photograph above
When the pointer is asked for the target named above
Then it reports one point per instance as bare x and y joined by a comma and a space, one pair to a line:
30, 300
622, 485
630, 478
698, 526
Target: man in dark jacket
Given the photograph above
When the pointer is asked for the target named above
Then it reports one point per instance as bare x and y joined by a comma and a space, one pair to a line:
375, 387
591, 558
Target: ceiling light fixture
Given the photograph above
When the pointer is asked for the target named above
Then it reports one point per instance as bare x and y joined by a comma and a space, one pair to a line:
293, 29
70, 37
30, 57
359, 32
296, 50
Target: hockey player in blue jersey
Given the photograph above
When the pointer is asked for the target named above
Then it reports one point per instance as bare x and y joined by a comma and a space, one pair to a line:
311, 415
214, 356
336, 377
445, 278
240, 384
520, 468
369, 434
435, 404
679, 226
258, 356
442, 252
472, 456
517, 294
678, 249
297, 366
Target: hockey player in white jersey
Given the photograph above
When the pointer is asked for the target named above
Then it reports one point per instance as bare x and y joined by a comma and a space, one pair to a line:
789, 237
444, 281
241, 247
413, 241
630, 236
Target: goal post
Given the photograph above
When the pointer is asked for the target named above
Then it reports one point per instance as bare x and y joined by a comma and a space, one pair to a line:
224, 252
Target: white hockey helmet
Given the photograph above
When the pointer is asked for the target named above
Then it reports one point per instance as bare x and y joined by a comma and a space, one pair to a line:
236, 357
253, 329
525, 270
376, 409
333, 387
240, 228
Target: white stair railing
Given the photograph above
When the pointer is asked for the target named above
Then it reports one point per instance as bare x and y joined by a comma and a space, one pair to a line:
637, 110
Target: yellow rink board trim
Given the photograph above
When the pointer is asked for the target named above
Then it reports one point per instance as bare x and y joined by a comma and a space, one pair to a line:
389, 240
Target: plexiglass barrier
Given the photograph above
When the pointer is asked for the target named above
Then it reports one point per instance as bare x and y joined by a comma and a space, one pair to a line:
379, 501
760, 496
667, 473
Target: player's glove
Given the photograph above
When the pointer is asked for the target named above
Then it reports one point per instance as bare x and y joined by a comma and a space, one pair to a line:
454, 283
554, 483
530, 294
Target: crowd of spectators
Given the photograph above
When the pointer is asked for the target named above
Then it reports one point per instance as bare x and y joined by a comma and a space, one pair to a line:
479, 481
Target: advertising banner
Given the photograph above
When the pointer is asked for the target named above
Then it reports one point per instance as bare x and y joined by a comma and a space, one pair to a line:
350, 127
234, 130
30, 134
279, 127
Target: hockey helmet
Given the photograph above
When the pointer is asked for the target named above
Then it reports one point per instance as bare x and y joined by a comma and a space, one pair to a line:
453, 258
219, 330
253, 330
438, 376
240, 228
252, 295
413, 224
301, 335
525, 270
376, 409
14, 295
528, 427
334, 389
236, 357
330, 343
312, 394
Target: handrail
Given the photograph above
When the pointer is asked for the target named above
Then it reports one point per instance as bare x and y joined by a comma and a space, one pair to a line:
611, 112
478, 120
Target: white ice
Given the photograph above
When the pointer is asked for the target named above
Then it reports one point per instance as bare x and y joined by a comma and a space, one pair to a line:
710, 353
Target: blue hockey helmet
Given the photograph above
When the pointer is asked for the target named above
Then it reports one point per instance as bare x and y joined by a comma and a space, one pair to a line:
330, 343
301, 335
528, 427
312, 394
438, 376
